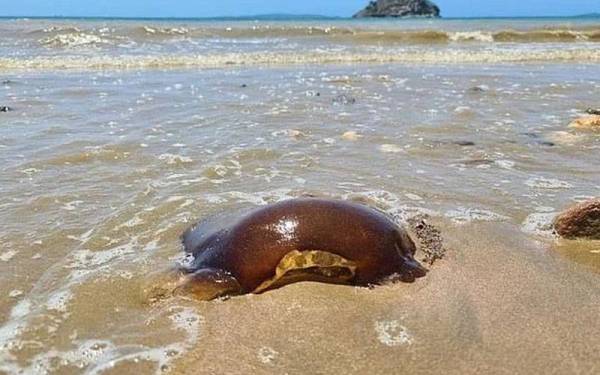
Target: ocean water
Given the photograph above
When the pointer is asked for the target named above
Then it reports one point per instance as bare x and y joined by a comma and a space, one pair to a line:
123, 133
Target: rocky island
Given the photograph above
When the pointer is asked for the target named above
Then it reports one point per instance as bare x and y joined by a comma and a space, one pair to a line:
399, 8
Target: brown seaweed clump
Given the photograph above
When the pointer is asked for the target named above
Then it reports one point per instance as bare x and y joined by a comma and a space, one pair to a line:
430, 238
580, 221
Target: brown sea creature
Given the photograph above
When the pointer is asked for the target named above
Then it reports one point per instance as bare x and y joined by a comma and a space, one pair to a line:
304, 239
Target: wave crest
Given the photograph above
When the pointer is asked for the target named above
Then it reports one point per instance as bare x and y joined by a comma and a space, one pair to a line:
446, 56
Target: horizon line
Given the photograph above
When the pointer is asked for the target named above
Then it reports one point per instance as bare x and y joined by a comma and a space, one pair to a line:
286, 16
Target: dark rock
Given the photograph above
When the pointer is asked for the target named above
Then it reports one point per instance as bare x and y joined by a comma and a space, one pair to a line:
399, 8
478, 89
344, 99
243, 85
537, 139
464, 143
580, 221
5, 109
547, 143
592, 111
7, 82
531, 135
477, 162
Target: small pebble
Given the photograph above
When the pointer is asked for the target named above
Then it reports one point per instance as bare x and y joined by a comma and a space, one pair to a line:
5, 109
464, 143
592, 111
344, 99
480, 88
350, 136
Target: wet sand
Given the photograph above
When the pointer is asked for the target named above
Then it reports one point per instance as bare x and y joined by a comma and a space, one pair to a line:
498, 303
120, 138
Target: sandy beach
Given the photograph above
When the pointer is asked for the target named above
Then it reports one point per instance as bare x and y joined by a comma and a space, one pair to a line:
499, 303
122, 134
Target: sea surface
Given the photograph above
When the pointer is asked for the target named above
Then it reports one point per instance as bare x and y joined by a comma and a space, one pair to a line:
123, 133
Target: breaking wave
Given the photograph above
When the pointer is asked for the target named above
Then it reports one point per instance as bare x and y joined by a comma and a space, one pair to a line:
74, 36
220, 60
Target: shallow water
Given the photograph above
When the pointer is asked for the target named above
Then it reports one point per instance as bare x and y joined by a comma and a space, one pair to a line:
103, 169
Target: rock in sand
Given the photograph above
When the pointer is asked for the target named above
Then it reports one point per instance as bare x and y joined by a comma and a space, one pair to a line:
580, 221
591, 122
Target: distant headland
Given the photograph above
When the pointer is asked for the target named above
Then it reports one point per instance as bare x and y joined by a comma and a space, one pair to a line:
588, 15
400, 8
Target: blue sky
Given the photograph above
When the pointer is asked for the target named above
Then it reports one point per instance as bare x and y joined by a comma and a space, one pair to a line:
211, 8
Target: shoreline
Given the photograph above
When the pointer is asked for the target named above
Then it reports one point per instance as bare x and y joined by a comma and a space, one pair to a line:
487, 307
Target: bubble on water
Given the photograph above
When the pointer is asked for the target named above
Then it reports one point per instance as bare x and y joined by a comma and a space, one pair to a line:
15, 293
261, 198
97, 356
58, 301
214, 198
506, 164
8, 255
544, 209
267, 355
187, 320
539, 223
172, 159
86, 259
30, 171
71, 206
392, 333
351, 136
462, 109
413, 197
9, 332
390, 148
547, 183
133, 222
464, 215
564, 138
174, 198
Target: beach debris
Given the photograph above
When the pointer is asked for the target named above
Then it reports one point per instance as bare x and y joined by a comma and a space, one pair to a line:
392, 333
5, 109
295, 133
344, 99
547, 143
592, 111
580, 221
564, 138
478, 89
267, 355
351, 136
531, 135
389, 148
430, 238
591, 122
